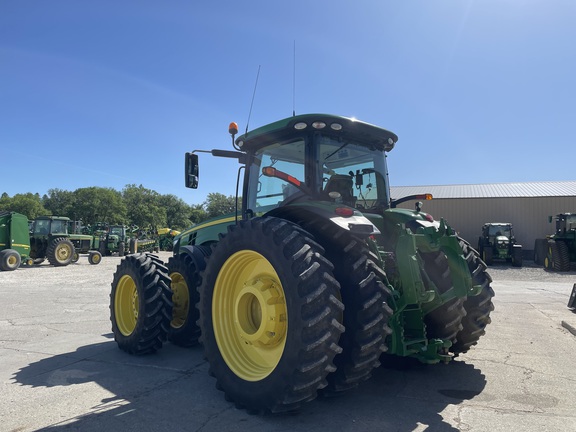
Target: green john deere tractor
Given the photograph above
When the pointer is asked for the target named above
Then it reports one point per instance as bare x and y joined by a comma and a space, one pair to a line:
497, 242
558, 250
315, 278
50, 239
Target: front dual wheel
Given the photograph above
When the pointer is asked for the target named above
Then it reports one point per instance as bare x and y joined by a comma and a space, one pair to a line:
269, 315
140, 305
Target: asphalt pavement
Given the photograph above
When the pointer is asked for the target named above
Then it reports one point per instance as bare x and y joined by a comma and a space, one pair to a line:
60, 369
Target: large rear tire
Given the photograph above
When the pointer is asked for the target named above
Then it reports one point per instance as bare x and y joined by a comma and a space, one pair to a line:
10, 260
60, 252
479, 307
517, 257
445, 321
487, 255
140, 306
365, 294
269, 313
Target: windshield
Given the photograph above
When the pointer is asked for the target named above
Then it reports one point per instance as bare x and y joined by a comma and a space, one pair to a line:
337, 171
42, 227
499, 230
116, 231
266, 192
354, 172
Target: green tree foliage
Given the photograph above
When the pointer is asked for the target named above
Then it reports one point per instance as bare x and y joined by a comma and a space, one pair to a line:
28, 204
135, 205
59, 202
96, 204
143, 207
218, 204
198, 213
177, 212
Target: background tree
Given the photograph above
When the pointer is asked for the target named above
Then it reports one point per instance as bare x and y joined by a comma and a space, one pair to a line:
177, 212
28, 204
143, 207
218, 204
59, 202
198, 213
96, 204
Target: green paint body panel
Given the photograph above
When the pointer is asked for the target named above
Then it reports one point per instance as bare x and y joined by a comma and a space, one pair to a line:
14, 233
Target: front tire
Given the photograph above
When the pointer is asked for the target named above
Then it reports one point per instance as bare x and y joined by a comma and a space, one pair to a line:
269, 314
487, 256
479, 307
140, 306
517, 257
445, 321
94, 257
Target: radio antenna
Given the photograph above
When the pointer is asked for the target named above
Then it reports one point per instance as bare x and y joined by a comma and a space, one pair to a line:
253, 95
294, 82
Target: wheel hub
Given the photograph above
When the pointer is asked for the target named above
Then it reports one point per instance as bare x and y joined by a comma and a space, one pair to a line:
63, 253
180, 299
258, 313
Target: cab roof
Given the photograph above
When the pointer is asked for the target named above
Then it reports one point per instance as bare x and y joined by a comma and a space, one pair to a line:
343, 128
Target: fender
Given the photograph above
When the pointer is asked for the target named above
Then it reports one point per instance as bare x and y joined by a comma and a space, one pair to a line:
198, 255
345, 217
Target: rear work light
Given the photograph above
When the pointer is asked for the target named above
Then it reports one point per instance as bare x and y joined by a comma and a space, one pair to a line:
344, 211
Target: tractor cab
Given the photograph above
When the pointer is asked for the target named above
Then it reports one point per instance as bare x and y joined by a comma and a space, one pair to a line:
565, 222
50, 226
497, 242
318, 166
313, 157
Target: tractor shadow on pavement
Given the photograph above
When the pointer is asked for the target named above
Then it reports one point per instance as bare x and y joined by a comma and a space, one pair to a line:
98, 387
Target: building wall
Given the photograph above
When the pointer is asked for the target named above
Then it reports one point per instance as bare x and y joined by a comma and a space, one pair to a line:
529, 216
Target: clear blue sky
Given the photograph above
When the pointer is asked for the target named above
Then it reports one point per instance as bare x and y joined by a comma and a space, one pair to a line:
108, 93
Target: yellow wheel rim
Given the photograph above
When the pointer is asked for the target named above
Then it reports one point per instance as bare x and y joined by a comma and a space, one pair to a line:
12, 260
63, 252
547, 260
126, 305
96, 258
180, 298
249, 315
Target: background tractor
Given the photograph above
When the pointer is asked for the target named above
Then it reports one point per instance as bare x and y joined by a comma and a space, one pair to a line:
166, 238
50, 239
498, 243
46, 237
558, 250
315, 276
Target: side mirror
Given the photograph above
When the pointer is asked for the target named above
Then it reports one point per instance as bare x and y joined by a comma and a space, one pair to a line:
191, 174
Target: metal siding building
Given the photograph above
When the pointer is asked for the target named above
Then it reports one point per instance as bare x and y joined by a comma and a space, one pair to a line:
526, 205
